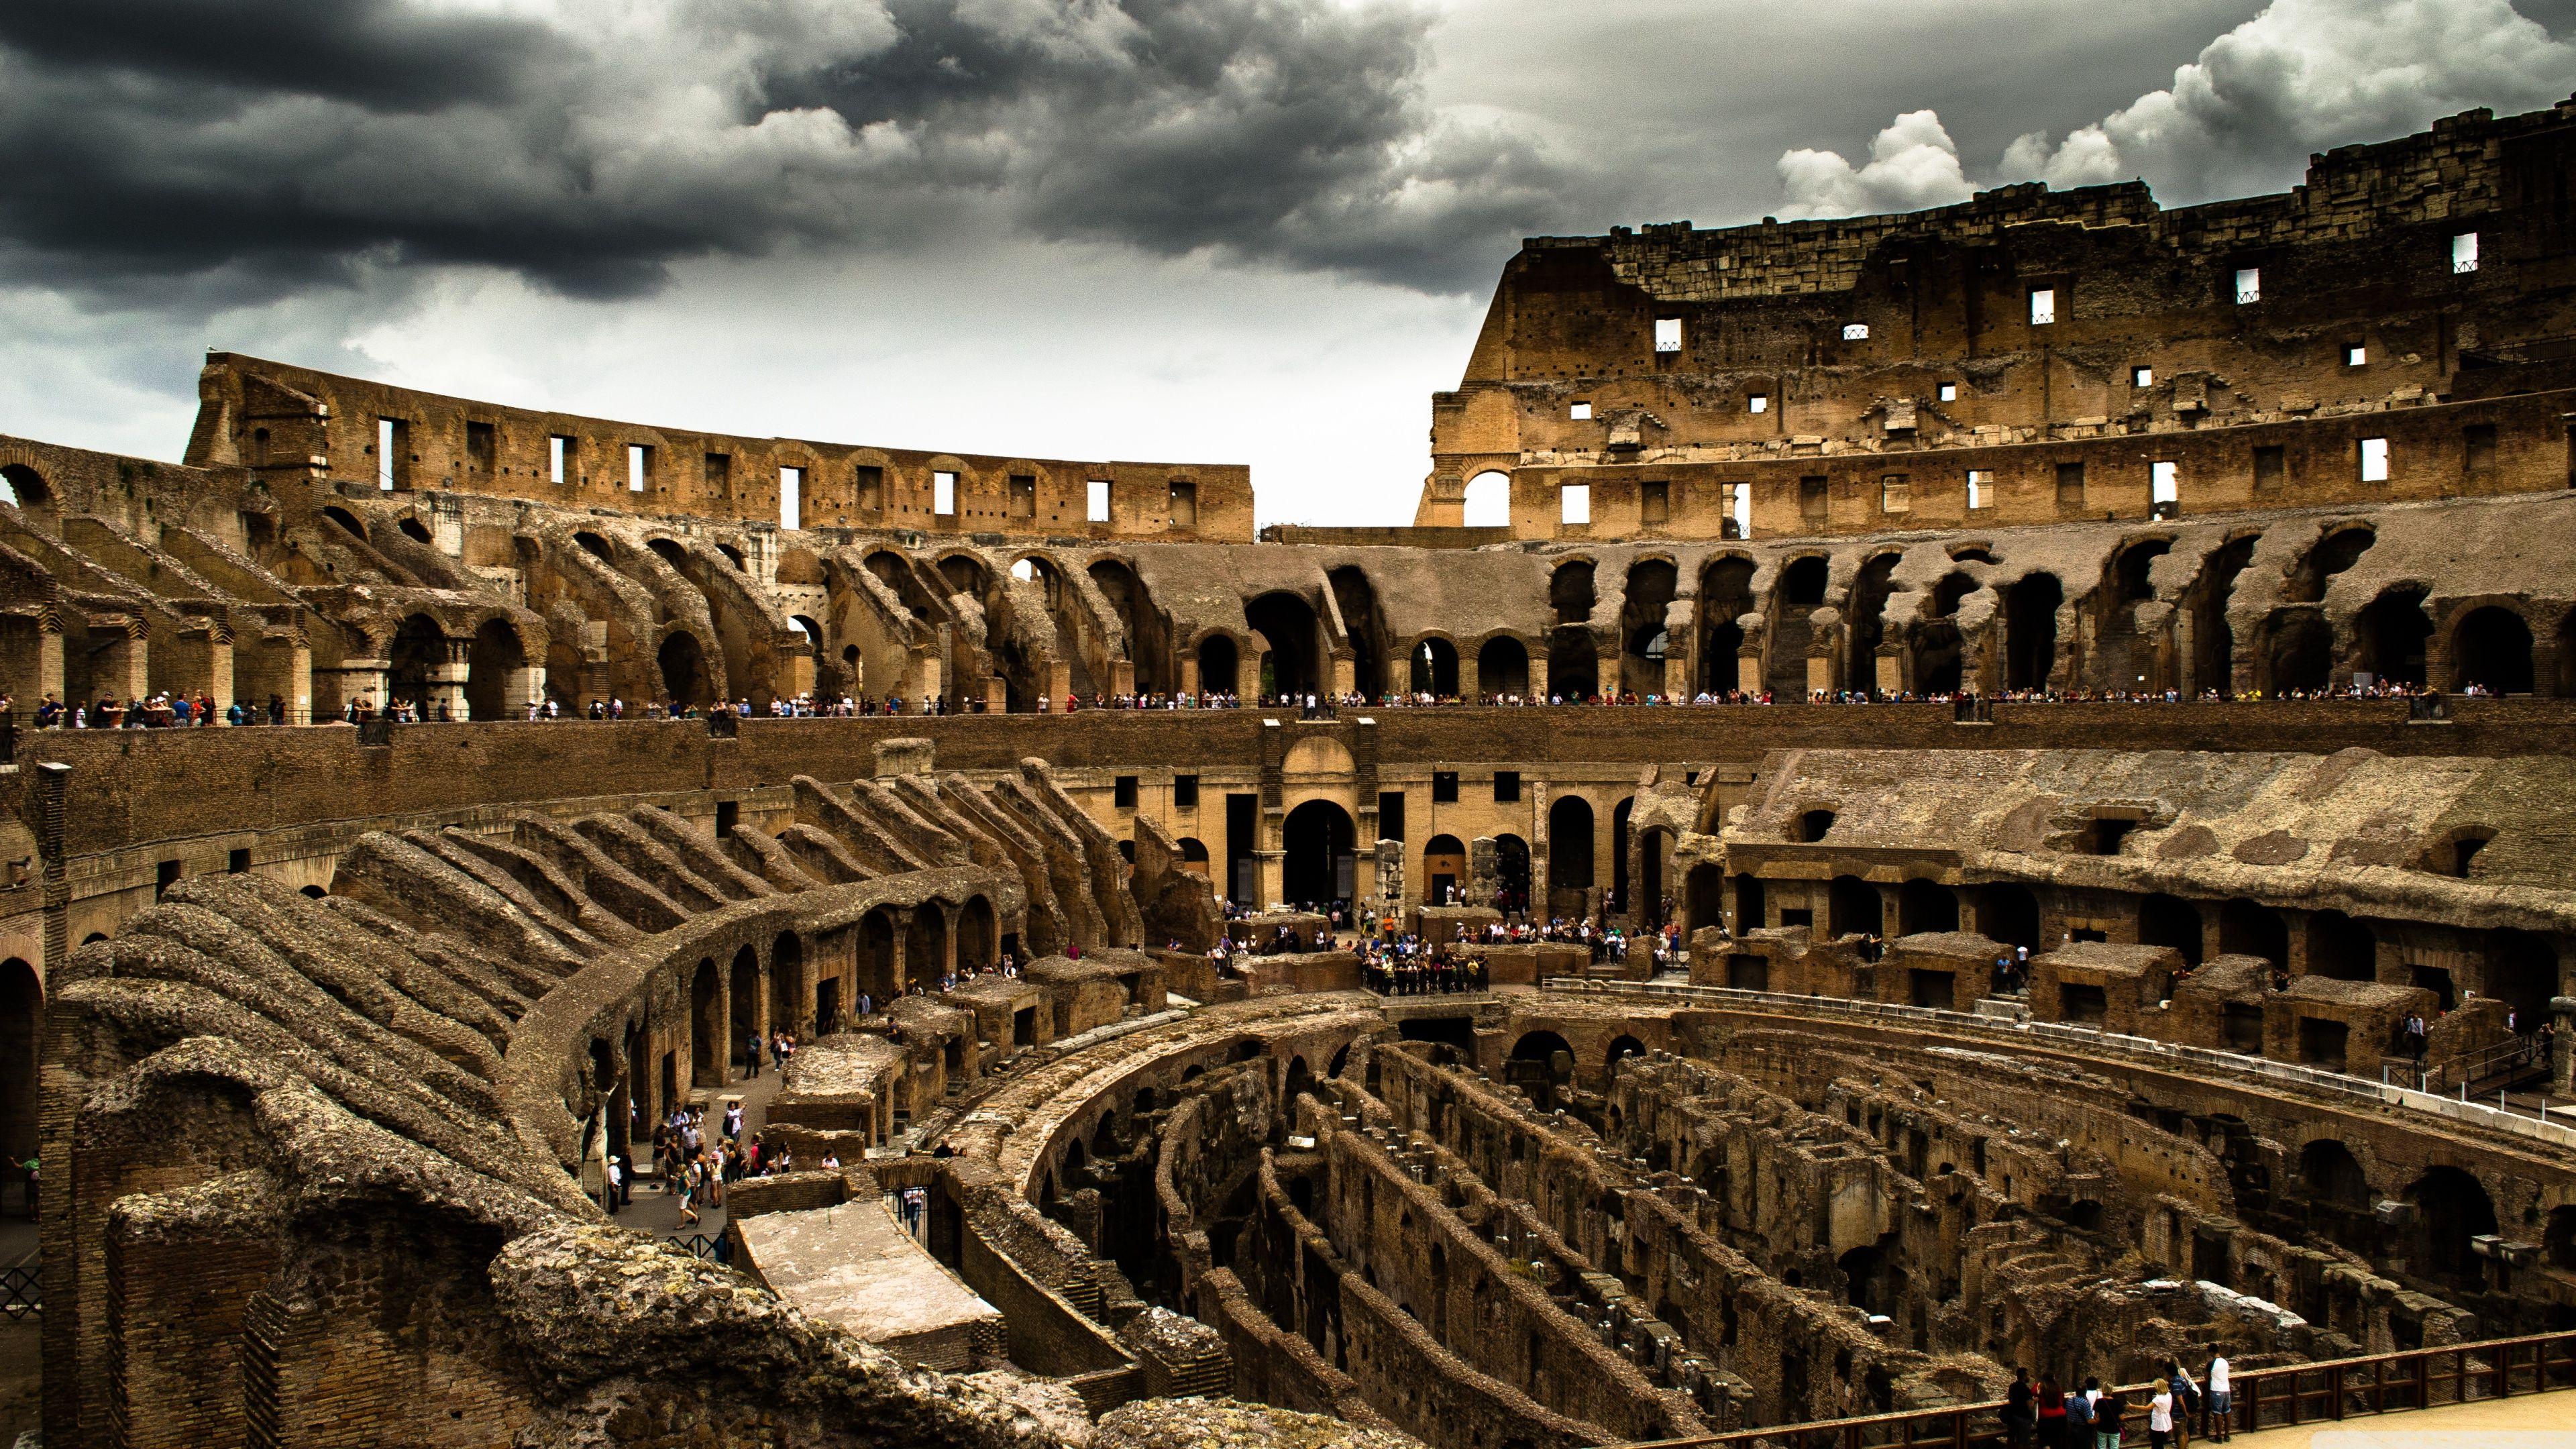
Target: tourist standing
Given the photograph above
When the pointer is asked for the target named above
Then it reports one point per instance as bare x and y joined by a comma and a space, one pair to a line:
2222, 1401
2160, 1416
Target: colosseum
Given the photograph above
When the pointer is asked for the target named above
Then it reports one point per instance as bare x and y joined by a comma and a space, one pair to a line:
2003, 801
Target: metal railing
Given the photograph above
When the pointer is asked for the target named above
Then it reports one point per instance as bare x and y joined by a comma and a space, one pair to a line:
20, 1296
698, 1245
2271, 1398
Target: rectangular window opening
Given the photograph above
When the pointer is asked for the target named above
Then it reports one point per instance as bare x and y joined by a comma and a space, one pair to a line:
1185, 792
1981, 487
393, 454
558, 459
238, 860
1668, 334
1444, 787
943, 493
1390, 815
1654, 502
1507, 786
2142, 377
2480, 445
719, 468
2464, 252
2249, 285
2374, 460
1123, 793
1759, 402
791, 498
1185, 504
482, 447
2070, 485
1895, 494
639, 467
1739, 507
1949, 392
1581, 412
1024, 495
2354, 354
1096, 500
2164, 489
2270, 464
1574, 502
1855, 332
1811, 498
868, 482
2043, 306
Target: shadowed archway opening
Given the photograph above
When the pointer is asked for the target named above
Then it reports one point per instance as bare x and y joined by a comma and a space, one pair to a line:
2491, 650
1287, 621
1319, 865
683, 664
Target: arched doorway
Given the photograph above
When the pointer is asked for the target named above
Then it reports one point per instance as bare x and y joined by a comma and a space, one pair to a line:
975, 941
925, 945
2247, 929
876, 957
1502, 667
706, 1027
2522, 972
1488, 501
2453, 1210
1725, 596
1319, 865
22, 1016
2329, 1174
418, 647
1287, 621
2393, 630
2341, 948
2010, 914
1925, 905
1218, 664
787, 1006
2030, 631
490, 660
1511, 873
1644, 641
684, 671
744, 1003
2299, 652
2491, 650
2165, 920
1569, 854
1444, 870
1619, 817
1434, 669
1652, 908
1542, 1064
1854, 908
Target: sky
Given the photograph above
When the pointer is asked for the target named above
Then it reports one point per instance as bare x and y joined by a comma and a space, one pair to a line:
1258, 231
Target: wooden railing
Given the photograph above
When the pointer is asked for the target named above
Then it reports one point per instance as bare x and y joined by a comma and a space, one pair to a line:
2387, 1383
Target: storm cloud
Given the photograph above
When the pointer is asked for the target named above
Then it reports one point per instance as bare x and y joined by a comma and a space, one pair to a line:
286, 141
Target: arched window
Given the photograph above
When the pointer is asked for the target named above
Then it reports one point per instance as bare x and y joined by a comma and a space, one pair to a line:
1489, 501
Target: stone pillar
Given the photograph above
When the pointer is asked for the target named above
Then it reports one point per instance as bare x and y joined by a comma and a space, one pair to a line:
1748, 672
1470, 685
1820, 673
899, 921
800, 673
526, 686
1891, 673
2562, 1048
1677, 673
49, 666
124, 669
1345, 672
1122, 676
1538, 675
1272, 869
1189, 672
1059, 683
446, 687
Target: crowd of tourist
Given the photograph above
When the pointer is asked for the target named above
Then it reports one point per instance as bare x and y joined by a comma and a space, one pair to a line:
2046, 1415
182, 710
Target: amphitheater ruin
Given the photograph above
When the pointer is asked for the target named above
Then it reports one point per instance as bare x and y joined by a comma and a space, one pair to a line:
2068, 706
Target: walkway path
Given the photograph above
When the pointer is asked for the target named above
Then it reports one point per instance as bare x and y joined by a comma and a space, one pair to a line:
2528, 1421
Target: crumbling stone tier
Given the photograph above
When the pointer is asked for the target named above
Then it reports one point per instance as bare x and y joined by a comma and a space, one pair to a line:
2071, 1027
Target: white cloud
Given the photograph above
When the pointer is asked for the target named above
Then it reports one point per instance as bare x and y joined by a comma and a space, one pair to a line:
2305, 76
1912, 164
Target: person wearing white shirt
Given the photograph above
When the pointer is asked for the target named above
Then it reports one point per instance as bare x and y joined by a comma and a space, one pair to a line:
2221, 1400
2160, 1411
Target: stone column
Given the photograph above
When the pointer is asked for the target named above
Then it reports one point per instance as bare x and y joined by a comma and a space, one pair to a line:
1189, 672
1891, 672
2562, 1047
1470, 685
1538, 675
1059, 683
49, 667
1272, 868
526, 686
899, 921
124, 668
1820, 673
1345, 672
446, 687
1677, 673
1748, 672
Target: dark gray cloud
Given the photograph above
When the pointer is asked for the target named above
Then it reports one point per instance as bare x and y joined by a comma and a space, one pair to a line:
285, 143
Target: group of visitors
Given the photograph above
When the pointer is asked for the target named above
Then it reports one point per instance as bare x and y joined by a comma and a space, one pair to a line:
2049, 1416
1409, 966
166, 710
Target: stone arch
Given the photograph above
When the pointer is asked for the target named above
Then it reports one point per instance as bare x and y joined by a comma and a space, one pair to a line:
1854, 908
25, 489
682, 663
2491, 648
1487, 501
1365, 624
1622, 816
1220, 664
790, 1002
2330, 1174
1502, 667
2341, 948
926, 941
2165, 920
418, 647
1725, 596
1320, 856
1569, 847
2297, 651
706, 1027
2391, 633
2452, 1209
1148, 641
742, 1001
2246, 928
1286, 622
1868, 618
1644, 641
492, 660
977, 942
346, 520
2335, 551
1433, 667
1444, 870
876, 956
1654, 854
1704, 896
1925, 905
2008, 912
2030, 630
